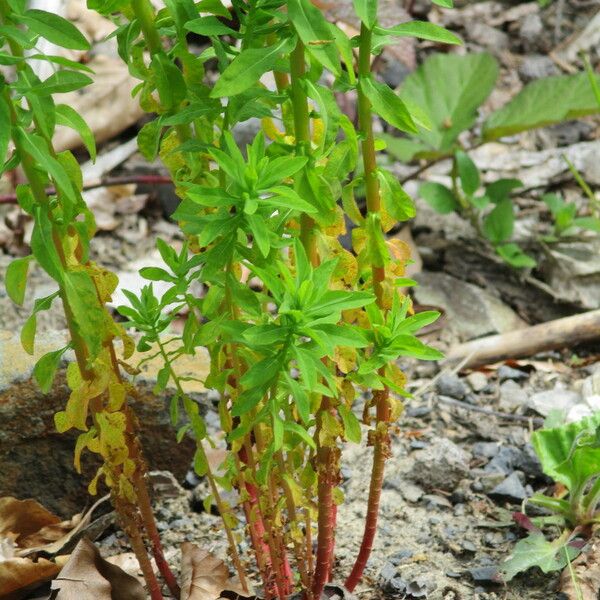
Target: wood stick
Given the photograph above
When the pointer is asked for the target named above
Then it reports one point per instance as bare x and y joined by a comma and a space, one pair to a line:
561, 333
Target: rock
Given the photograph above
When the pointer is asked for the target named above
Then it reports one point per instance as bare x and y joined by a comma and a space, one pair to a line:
485, 449
510, 489
506, 460
489, 37
411, 492
505, 372
512, 396
472, 312
477, 380
537, 66
557, 399
37, 461
451, 385
485, 574
440, 466
531, 32
389, 580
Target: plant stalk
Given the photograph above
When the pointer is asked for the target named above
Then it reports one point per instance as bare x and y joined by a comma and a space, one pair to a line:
381, 441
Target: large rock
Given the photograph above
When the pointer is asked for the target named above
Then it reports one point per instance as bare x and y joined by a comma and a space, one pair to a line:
37, 462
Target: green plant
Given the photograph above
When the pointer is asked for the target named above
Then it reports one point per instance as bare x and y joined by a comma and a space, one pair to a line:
293, 321
63, 226
570, 455
468, 80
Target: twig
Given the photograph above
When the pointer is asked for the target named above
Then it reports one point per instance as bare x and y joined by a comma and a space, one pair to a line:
103, 182
489, 411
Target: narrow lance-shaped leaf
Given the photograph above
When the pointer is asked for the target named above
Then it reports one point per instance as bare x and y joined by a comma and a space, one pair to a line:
4, 128
16, 279
69, 117
55, 29
421, 29
366, 11
248, 67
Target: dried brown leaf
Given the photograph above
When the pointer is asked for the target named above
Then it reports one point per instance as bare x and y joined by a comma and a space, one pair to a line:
203, 576
19, 575
88, 575
20, 519
582, 580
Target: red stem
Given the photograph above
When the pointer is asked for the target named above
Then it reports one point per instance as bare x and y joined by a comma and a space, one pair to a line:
103, 182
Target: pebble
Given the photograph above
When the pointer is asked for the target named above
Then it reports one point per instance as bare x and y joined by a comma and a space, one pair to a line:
505, 372
556, 399
485, 449
411, 492
512, 396
477, 380
451, 385
489, 37
440, 466
484, 574
536, 66
510, 489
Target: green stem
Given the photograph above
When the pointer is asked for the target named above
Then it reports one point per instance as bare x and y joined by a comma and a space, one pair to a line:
381, 397
145, 15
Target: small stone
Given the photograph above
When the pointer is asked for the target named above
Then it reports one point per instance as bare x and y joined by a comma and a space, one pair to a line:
531, 31
512, 396
536, 66
440, 466
418, 411
505, 372
489, 37
469, 546
437, 501
399, 557
485, 574
485, 449
411, 492
556, 399
451, 385
510, 489
477, 380
507, 459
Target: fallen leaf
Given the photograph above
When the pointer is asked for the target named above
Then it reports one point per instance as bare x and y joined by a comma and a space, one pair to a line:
87, 575
203, 576
583, 576
20, 575
20, 519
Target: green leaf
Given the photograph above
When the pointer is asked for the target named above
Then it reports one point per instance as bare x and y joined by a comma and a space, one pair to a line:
396, 201
248, 67
45, 369
279, 169
314, 31
541, 103
366, 10
260, 232
301, 398
387, 104
148, 139
444, 3
169, 81
62, 61
515, 257
5, 123
439, 197
286, 197
450, 88
209, 26
214, 7
501, 189
498, 225
15, 280
423, 30
351, 424
589, 223
536, 551
61, 82
29, 329
561, 460
42, 245
69, 117
55, 29
467, 172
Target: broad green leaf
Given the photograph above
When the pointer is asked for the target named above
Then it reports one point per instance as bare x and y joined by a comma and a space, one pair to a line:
279, 169
423, 30
501, 189
148, 139
467, 172
536, 551
498, 225
61, 82
209, 26
4, 129
15, 279
541, 103
314, 31
555, 449
29, 329
444, 3
248, 67
351, 424
387, 104
439, 197
450, 88
69, 117
214, 7
366, 10
45, 369
55, 29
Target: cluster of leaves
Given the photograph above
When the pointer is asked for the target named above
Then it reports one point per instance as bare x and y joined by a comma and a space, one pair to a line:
570, 455
453, 111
